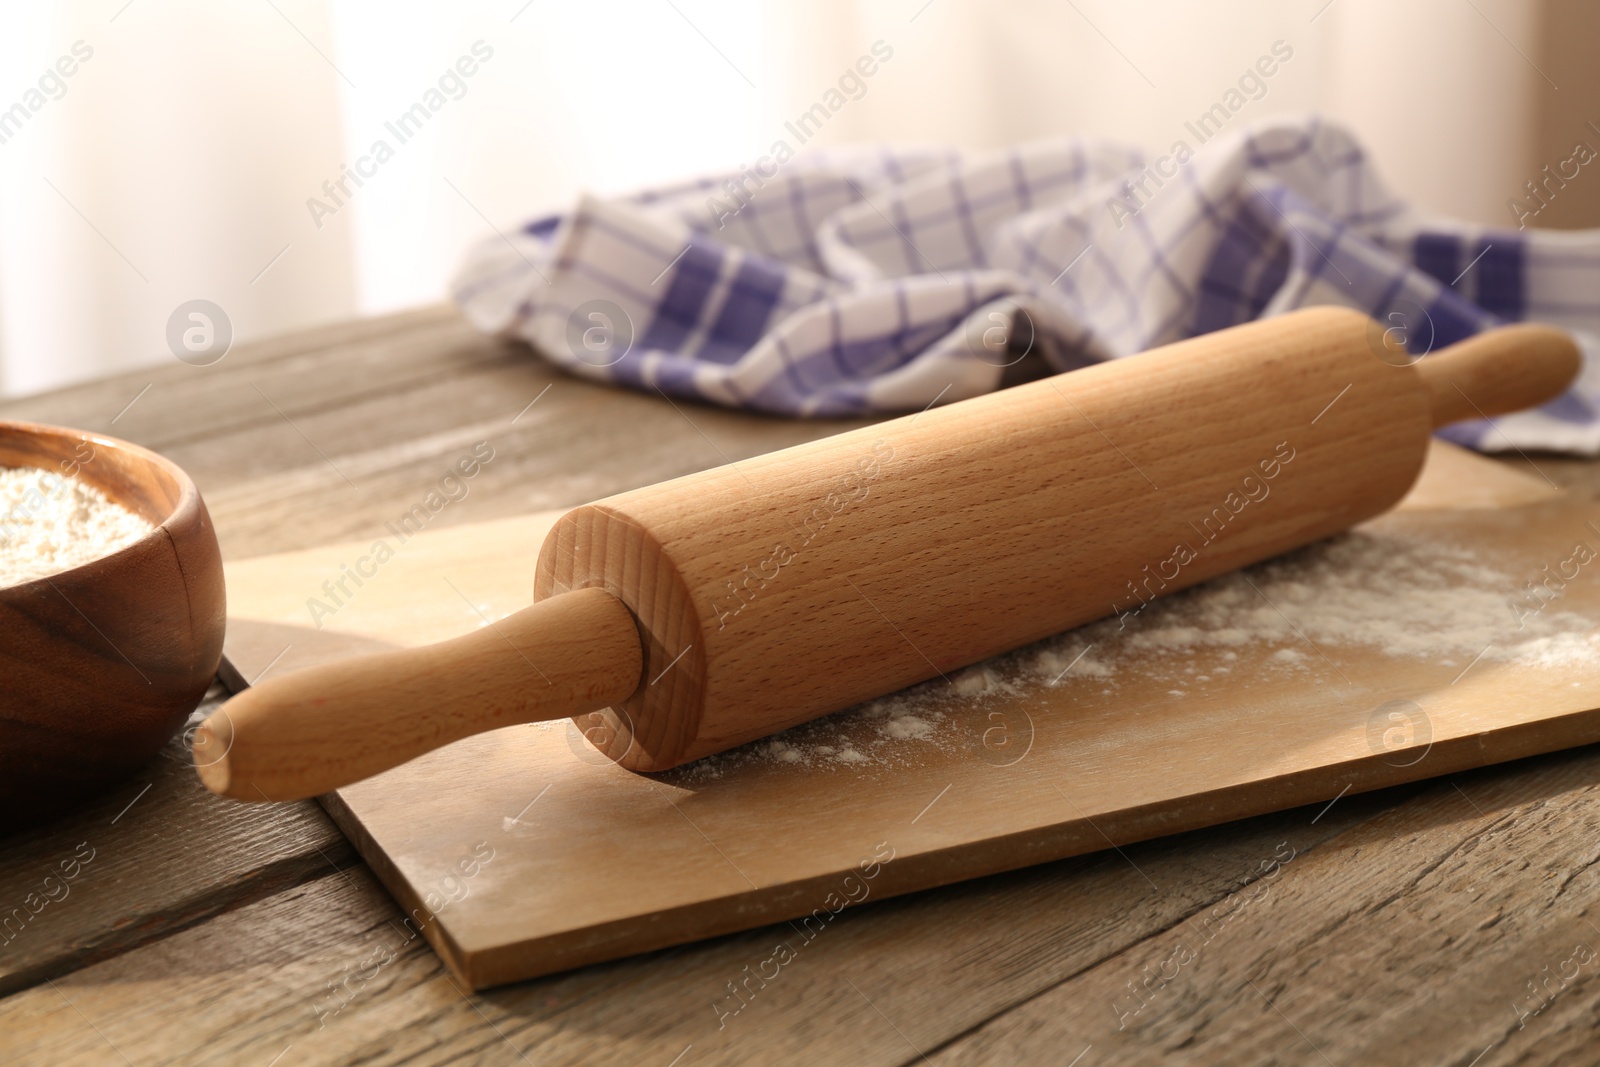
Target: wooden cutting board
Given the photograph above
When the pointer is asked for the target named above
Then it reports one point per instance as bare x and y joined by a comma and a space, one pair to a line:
524, 852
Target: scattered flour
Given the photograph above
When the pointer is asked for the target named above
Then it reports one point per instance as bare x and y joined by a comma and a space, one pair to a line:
1405, 597
1409, 597
50, 524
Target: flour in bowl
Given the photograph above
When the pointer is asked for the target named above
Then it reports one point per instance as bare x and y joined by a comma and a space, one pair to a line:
50, 524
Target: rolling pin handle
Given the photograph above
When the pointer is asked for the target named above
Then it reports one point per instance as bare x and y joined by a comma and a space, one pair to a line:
314, 730
1499, 371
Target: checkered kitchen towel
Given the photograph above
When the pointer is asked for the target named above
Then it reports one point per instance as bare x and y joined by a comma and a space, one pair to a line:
886, 280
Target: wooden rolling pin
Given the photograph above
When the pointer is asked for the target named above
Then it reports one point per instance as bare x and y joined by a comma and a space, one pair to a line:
688, 617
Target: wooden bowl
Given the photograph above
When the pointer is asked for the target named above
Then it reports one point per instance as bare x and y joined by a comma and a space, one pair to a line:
100, 665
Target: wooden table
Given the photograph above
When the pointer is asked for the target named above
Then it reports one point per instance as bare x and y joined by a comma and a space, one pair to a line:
1449, 922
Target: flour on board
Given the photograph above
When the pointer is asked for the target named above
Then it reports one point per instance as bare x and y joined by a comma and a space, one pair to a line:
1403, 596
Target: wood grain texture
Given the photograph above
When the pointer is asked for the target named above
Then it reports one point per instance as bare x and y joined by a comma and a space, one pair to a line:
757, 840
410, 393
742, 589
156, 855
904, 551
393, 405
920, 976
939, 963
392, 402
318, 991
303, 733
101, 663
1476, 895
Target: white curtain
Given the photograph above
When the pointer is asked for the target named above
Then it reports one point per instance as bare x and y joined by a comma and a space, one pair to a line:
186, 157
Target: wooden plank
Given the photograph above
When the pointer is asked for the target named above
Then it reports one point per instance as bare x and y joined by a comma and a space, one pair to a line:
177, 855
384, 454
985, 948
158, 854
378, 381
264, 978
326, 365
325, 434
760, 840
1396, 931
1457, 928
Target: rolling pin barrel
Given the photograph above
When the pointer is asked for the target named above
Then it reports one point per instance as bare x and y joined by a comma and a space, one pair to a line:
771, 591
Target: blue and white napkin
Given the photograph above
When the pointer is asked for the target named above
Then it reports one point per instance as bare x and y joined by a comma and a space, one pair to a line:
847, 282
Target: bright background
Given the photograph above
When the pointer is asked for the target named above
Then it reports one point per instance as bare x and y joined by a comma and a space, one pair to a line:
178, 163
